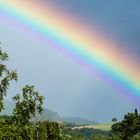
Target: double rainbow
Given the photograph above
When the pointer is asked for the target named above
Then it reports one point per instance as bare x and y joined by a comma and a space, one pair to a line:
86, 45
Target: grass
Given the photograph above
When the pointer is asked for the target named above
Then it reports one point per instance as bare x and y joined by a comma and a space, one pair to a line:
105, 127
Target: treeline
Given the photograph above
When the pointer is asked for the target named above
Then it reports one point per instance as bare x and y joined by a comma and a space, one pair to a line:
41, 130
84, 133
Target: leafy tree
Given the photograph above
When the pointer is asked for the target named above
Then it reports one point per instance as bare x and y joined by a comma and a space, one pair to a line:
48, 130
6, 76
8, 131
129, 127
27, 107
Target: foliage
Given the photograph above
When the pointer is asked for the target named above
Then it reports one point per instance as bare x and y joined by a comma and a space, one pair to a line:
47, 130
40, 130
7, 129
27, 106
129, 127
5, 77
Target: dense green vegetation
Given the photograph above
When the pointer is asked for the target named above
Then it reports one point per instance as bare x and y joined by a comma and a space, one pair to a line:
84, 133
41, 130
129, 127
24, 123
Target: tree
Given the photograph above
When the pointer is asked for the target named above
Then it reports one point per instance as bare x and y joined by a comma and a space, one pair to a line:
48, 130
129, 127
114, 119
27, 107
6, 76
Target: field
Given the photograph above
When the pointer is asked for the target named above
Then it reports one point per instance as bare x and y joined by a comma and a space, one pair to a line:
105, 127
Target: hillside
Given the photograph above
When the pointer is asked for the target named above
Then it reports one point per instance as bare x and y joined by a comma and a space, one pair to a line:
50, 115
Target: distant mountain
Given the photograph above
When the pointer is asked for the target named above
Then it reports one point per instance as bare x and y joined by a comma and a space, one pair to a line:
49, 115
53, 116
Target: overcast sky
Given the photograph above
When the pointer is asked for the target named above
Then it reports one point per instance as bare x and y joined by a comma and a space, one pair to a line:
70, 89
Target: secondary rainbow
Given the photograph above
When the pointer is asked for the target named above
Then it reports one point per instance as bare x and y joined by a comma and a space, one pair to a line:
84, 44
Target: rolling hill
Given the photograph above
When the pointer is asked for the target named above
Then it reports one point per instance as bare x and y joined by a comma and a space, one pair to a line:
50, 115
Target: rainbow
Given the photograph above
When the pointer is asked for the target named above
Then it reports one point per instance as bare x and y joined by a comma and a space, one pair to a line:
83, 44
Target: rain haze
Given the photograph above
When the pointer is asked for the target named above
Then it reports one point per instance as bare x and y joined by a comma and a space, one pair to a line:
69, 88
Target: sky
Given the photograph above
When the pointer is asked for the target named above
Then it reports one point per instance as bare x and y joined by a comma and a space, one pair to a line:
69, 89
